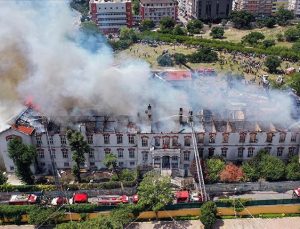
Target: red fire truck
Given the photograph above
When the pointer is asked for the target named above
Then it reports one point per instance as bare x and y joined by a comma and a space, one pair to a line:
79, 198
112, 199
23, 199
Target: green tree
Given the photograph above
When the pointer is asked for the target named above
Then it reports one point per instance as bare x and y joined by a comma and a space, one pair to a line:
292, 34
179, 58
79, 148
146, 24
203, 55
165, 60
296, 46
136, 7
166, 24
293, 169
208, 214
294, 82
272, 63
128, 34
128, 175
217, 32
271, 168
90, 27
214, 167
241, 19
23, 156
194, 26
110, 162
268, 43
178, 30
154, 191
283, 16
250, 171
253, 38
270, 22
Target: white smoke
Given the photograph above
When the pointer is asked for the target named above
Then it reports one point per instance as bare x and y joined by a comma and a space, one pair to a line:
63, 77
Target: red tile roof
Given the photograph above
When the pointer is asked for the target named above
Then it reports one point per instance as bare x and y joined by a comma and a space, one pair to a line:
178, 75
28, 130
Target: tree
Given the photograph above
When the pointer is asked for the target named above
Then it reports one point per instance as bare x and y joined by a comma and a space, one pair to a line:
167, 24
79, 148
231, 173
194, 26
165, 60
178, 30
213, 168
250, 171
283, 16
136, 7
203, 55
90, 27
208, 214
295, 82
179, 58
270, 22
128, 34
272, 63
154, 191
110, 162
296, 46
3, 178
146, 24
292, 34
268, 43
293, 169
271, 168
241, 19
253, 38
217, 32
23, 156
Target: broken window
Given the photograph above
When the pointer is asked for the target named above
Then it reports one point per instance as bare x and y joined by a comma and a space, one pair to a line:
282, 137
212, 138
225, 137
200, 138
253, 138
293, 137
157, 141
269, 137
211, 152
187, 141
175, 141
166, 142
242, 137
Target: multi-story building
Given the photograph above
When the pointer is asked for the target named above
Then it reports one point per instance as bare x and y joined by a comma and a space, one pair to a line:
111, 15
256, 7
279, 4
165, 144
155, 10
294, 5
212, 9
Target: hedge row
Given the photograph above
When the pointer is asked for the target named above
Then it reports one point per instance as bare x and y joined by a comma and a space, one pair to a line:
283, 52
71, 187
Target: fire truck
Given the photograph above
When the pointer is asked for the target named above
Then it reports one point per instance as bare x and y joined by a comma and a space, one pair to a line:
186, 197
296, 193
23, 199
79, 198
113, 200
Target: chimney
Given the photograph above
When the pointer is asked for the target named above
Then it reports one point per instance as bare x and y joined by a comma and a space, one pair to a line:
190, 116
180, 115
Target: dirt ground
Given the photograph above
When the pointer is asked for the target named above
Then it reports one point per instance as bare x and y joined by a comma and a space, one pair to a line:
280, 223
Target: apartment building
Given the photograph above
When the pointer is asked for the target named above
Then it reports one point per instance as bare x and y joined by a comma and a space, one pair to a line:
155, 10
256, 7
111, 15
294, 5
277, 4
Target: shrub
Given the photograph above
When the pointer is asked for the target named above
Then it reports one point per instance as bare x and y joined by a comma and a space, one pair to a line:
268, 43
272, 63
231, 173
180, 58
217, 32
241, 19
194, 26
14, 212
203, 55
208, 214
178, 30
253, 38
292, 34
165, 60
146, 24
45, 216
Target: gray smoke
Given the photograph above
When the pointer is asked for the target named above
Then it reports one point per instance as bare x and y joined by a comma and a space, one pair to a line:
42, 57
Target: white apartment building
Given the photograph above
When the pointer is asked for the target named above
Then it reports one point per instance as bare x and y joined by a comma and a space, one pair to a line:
155, 10
147, 143
111, 15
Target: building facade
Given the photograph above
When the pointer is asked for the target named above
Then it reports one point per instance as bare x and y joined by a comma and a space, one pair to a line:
152, 144
211, 9
155, 10
256, 7
111, 15
277, 4
294, 5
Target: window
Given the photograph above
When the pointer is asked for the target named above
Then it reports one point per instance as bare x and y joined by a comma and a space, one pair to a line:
240, 152
52, 153
119, 138
225, 137
41, 153
187, 141
145, 156
200, 138
132, 163
157, 141
92, 163
144, 141
211, 152
92, 153
268, 149
50, 140
292, 151
279, 151
186, 155
65, 153
63, 139
131, 153
253, 138
166, 142
212, 138
66, 164
131, 139
224, 152
293, 137
42, 164
38, 140
175, 141
250, 152
201, 151
90, 139
269, 137
121, 163
11, 168
242, 137
106, 138
120, 153
282, 137
107, 150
